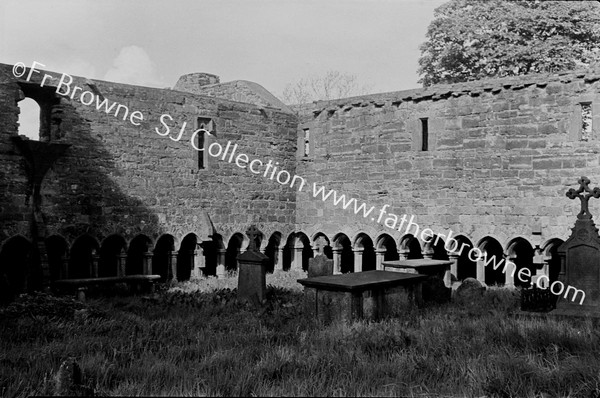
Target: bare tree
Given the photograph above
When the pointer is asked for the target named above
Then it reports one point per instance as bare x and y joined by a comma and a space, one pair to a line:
331, 85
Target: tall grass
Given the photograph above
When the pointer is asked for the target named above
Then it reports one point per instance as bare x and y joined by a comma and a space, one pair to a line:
195, 339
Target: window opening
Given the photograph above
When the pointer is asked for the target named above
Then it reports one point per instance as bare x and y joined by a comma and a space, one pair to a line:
586, 121
306, 143
424, 135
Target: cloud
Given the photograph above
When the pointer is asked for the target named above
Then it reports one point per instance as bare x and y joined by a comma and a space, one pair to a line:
134, 66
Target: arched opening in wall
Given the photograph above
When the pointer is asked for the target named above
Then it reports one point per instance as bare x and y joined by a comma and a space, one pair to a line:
57, 250
287, 252
234, 249
162, 257
520, 252
83, 260
211, 255
410, 247
344, 247
437, 246
20, 270
321, 239
29, 119
492, 251
388, 244
364, 244
272, 250
307, 251
112, 254
187, 257
552, 258
138, 255
465, 267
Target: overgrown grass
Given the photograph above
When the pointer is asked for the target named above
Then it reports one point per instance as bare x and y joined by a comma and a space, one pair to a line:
195, 339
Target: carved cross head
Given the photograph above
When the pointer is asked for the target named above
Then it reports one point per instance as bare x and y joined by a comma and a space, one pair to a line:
253, 235
320, 244
589, 193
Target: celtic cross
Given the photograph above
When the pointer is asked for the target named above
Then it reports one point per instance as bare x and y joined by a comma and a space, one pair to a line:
253, 233
583, 186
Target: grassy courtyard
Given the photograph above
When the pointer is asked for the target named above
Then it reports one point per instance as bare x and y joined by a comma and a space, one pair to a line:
195, 340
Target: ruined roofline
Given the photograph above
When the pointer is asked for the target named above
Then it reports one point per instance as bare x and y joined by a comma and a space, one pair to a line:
444, 91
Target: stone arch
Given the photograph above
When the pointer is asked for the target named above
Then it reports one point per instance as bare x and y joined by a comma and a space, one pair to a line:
385, 249
465, 267
272, 250
435, 247
327, 248
492, 251
343, 256
83, 259
302, 241
113, 254
521, 253
57, 250
410, 248
20, 270
364, 253
551, 258
29, 118
234, 249
216, 256
164, 257
188, 257
139, 256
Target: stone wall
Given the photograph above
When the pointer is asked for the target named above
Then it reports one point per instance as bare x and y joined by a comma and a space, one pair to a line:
501, 154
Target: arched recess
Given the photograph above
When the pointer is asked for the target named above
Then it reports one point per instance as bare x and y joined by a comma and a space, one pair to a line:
520, 252
410, 247
550, 250
163, 257
112, 254
363, 247
465, 267
234, 248
29, 118
436, 248
188, 257
302, 241
326, 248
343, 248
57, 250
83, 260
272, 251
20, 270
139, 256
493, 254
386, 245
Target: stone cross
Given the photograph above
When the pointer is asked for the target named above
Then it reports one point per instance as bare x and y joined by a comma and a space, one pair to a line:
253, 233
583, 186
320, 244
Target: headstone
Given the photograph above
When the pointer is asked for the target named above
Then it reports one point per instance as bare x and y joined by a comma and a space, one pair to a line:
580, 260
252, 285
469, 293
320, 265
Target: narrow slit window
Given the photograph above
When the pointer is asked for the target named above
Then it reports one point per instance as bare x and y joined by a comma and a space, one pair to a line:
306, 143
424, 134
200, 144
586, 121
206, 124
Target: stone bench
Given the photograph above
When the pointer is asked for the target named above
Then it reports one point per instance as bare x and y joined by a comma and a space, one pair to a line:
437, 287
80, 286
369, 295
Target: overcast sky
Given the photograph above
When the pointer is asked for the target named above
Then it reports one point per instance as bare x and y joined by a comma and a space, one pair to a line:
270, 42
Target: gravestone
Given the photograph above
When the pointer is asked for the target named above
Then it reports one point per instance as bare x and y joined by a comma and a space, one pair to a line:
580, 260
252, 285
320, 265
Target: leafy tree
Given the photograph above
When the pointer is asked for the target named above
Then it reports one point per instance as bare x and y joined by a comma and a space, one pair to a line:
473, 39
331, 85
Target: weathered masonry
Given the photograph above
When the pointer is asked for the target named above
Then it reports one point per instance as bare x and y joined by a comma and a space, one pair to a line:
489, 160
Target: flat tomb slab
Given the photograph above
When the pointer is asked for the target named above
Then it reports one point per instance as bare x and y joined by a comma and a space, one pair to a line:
370, 295
418, 264
360, 281
438, 286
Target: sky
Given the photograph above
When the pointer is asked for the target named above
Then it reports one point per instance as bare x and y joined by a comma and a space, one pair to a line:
270, 42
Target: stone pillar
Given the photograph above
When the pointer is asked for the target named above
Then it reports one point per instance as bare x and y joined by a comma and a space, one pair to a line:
358, 259
172, 271
122, 263
94, 265
279, 261
509, 279
337, 260
403, 254
221, 262
379, 257
453, 269
64, 267
198, 262
147, 262
297, 260
481, 271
